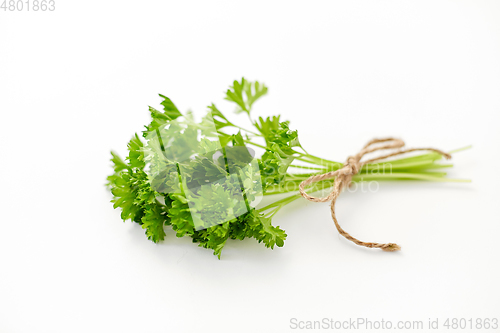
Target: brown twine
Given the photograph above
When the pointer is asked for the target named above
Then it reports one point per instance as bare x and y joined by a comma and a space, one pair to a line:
344, 176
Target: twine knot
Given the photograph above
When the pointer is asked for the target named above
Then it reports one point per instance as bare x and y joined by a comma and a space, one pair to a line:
353, 164
351, 167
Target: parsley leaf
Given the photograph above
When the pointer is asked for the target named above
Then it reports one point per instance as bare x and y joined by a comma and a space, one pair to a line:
245, 93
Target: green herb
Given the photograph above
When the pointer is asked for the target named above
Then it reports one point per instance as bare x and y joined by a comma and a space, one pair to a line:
203, 182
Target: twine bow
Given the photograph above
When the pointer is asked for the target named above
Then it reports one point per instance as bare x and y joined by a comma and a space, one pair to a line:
344, 176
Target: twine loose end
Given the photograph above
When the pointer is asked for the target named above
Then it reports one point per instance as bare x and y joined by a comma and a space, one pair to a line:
391, 247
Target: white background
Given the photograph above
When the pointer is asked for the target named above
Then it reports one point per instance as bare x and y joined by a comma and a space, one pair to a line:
75, 83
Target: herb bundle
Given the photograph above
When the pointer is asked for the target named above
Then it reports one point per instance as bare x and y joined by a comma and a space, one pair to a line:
206, 183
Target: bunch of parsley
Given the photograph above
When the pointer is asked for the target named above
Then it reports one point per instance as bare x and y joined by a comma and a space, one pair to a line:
148, 188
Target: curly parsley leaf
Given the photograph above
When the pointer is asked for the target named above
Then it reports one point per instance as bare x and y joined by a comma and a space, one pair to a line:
153, 221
